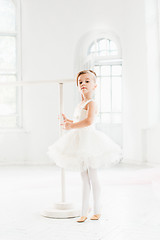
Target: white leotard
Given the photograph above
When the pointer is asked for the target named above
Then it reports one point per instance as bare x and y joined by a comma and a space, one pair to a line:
81, 113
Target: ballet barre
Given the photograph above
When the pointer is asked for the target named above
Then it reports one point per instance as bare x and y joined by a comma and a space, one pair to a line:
23, 83
61, 209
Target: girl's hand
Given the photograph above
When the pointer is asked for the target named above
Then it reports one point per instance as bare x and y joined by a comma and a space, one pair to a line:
66, 125
64, 117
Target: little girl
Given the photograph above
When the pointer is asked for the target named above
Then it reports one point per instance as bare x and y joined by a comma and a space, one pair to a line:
84, 148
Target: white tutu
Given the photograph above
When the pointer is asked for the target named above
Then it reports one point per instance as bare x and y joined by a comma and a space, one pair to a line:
85, 147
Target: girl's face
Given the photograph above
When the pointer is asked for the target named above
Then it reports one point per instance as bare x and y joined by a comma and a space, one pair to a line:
86, 83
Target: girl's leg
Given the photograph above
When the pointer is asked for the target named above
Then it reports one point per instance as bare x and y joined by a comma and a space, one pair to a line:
96, 190
86, 188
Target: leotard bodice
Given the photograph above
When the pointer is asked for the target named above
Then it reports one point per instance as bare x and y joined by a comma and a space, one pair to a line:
80, 113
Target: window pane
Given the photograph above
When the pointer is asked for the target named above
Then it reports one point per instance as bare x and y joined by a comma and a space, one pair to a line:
108, 44
113, 46
8, 122
116, 70
7, 96
105, 94
102, 53
116, 94
98, 118
7, 16
102, 44
105, 70
97, 94
103, 47
4, 78
116, 118
106, 117
7, 54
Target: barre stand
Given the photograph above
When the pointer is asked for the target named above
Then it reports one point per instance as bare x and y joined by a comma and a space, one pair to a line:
62, 209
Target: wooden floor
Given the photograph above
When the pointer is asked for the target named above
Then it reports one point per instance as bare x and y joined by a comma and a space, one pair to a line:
130, 196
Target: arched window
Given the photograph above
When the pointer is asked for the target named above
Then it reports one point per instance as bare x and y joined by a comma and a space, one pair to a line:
9, 65
104, 57
109, 73
103, 47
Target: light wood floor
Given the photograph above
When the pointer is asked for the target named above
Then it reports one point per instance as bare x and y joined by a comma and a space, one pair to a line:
130, 196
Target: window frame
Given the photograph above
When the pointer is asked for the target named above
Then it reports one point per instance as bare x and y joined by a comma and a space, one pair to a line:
18, 72
92, 60
110, 63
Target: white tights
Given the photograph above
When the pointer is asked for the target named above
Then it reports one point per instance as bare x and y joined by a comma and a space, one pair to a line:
90, 178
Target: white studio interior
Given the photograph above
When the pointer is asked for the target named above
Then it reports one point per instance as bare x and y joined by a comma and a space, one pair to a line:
43, 45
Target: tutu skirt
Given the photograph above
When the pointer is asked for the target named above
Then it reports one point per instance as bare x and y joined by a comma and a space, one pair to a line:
85, 147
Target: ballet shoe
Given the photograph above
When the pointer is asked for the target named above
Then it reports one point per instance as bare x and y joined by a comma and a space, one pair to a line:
82, 219
95, 217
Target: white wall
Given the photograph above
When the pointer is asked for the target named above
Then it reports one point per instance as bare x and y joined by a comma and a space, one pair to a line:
134, 80
153, 55
152, 130
51, 31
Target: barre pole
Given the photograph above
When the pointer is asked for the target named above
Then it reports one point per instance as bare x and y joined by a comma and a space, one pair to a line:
61, 133
62, 209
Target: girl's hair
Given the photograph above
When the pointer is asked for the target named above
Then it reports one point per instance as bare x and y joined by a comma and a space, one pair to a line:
84, 72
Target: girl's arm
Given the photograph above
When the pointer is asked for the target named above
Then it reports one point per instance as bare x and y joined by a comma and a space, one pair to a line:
90, 118
86, 122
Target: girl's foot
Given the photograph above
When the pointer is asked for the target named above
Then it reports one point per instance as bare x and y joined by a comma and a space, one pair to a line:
95, 217
82, 219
